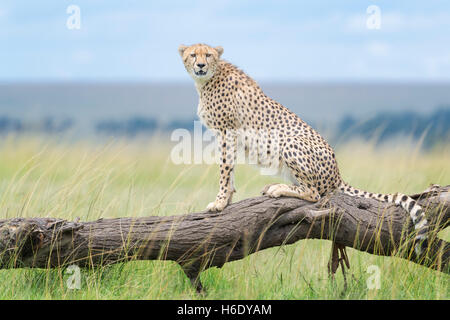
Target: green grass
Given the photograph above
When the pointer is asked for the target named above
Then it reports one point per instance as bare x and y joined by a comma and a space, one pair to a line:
44, 178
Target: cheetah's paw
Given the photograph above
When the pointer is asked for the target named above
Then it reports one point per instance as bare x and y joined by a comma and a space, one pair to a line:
273, 190
266, 188
217, 205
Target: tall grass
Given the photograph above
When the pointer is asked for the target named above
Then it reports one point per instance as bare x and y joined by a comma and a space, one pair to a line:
40, 177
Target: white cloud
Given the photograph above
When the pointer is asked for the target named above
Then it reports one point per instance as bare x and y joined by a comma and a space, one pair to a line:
356, 22
438, 66
3, 13
396, 21
82, 57
378, 49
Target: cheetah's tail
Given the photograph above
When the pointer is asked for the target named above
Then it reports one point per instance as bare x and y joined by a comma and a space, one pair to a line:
415, 211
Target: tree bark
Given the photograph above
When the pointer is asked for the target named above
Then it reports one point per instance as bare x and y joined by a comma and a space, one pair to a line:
198, 241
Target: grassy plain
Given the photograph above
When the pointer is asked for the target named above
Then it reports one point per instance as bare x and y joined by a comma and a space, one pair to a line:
41, 177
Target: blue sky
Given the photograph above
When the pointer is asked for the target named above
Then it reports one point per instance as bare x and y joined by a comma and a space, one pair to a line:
271, 40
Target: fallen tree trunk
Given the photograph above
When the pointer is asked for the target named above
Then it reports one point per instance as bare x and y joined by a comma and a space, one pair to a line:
198, 241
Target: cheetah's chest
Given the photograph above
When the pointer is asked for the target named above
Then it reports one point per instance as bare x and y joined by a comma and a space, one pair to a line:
201, 111
216, 115
206, 116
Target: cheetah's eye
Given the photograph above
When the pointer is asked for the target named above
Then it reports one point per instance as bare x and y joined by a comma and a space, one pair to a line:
193, 55
208, 55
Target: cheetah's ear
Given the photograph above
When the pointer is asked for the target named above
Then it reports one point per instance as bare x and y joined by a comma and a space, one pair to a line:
219, 50
181, 49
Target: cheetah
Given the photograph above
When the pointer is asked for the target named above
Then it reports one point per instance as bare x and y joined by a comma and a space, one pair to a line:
232, 102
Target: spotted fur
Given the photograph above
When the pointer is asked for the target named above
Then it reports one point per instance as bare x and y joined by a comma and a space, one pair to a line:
234, 106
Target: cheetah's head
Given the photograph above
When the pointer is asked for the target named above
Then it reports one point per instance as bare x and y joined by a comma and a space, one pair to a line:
200, 60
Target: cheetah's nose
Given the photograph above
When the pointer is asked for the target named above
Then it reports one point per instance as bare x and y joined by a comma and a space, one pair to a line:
200, 65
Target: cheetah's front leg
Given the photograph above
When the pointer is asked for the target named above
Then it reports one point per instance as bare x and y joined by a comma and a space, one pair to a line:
227, 144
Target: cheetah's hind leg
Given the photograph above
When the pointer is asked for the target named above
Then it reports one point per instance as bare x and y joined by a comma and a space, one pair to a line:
283, 190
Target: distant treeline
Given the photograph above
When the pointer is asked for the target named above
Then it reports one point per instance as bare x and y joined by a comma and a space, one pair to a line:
434, 127
45, 125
